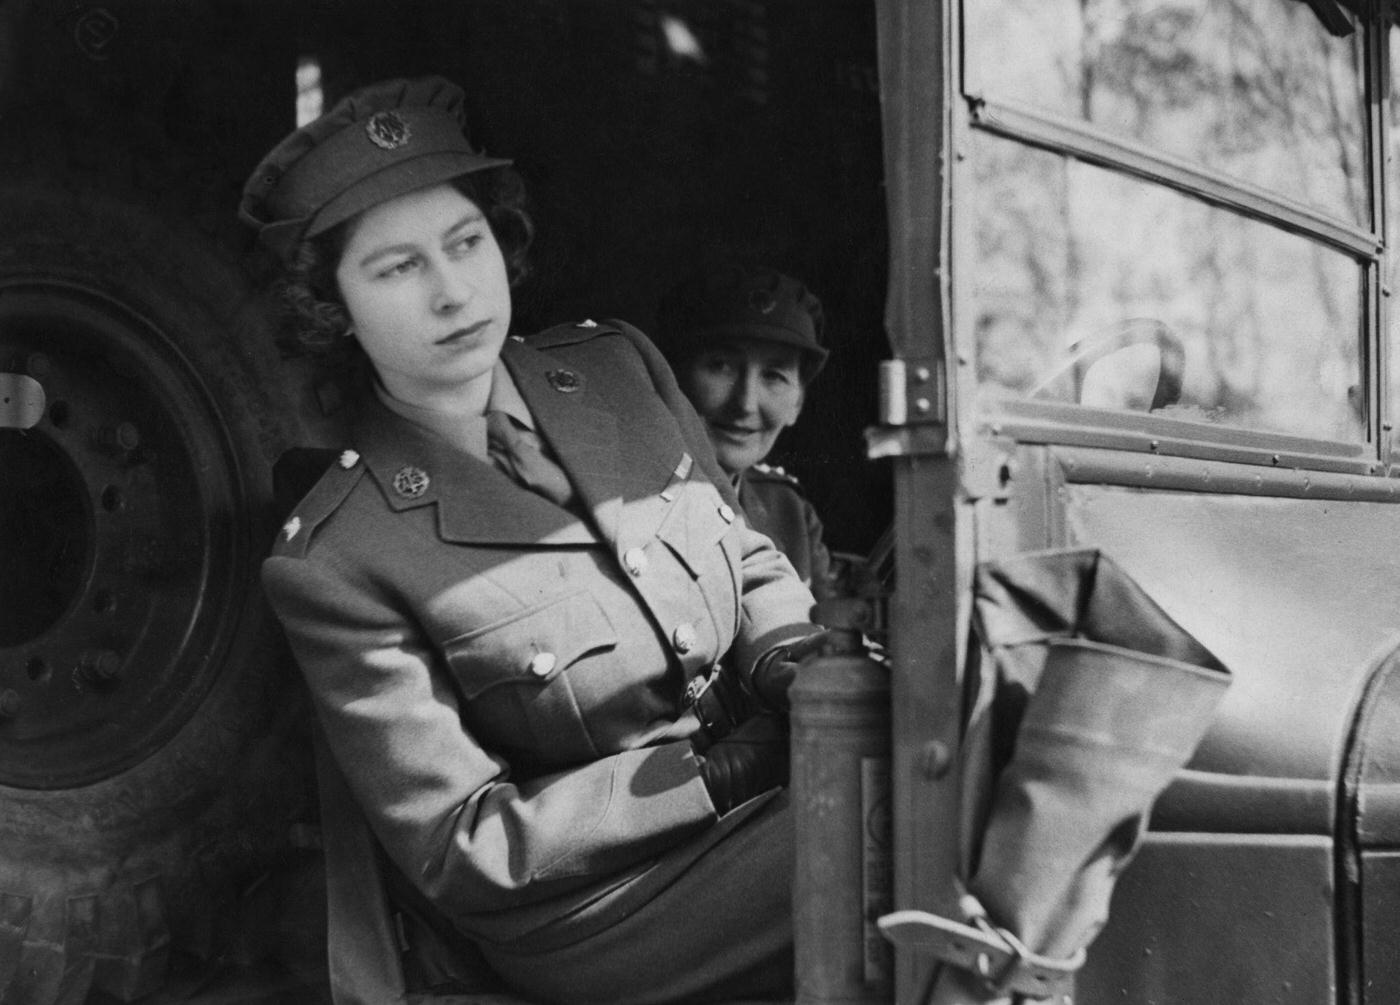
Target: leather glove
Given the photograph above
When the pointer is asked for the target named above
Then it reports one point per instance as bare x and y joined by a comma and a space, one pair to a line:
773, 672
749, 761
719, 702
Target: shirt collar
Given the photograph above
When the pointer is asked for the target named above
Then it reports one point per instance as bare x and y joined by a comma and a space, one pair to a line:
466, 433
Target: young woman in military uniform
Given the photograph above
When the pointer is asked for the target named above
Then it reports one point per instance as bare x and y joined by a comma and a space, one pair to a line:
745, 342
506, 593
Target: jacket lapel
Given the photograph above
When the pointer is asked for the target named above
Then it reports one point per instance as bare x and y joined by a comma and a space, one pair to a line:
578, 412
476, 503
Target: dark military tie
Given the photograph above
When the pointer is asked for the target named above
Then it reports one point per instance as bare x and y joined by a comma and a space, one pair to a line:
519, 453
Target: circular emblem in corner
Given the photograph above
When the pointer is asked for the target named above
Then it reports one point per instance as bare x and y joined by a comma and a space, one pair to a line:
388, 130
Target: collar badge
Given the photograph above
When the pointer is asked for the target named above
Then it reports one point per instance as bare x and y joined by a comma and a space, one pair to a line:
411, 482
564, 381
762, 301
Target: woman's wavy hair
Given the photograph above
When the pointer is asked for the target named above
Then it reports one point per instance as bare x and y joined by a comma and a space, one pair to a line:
308, 288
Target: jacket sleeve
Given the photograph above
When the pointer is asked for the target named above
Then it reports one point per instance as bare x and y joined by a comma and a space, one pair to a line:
776, 606
820, 557
470, 836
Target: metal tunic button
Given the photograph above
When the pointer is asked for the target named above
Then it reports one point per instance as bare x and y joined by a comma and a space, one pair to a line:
683, 638
542, 664
636, 561
726, 512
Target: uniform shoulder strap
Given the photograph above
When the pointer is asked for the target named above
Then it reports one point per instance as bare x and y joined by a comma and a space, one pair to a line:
770, 473
570, 334
320, 478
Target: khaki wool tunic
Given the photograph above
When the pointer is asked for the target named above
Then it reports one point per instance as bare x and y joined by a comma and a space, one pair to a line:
500, 680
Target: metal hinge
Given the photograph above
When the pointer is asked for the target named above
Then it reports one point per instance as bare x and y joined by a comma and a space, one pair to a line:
913, 409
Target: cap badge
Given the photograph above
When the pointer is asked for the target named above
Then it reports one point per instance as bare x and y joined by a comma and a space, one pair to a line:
564, 381
388, 130
411, 482
762, 301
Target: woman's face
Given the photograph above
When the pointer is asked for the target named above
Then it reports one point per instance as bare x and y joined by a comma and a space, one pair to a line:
424, 282
747, 391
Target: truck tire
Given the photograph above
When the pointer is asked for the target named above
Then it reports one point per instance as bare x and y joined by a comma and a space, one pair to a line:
151, 764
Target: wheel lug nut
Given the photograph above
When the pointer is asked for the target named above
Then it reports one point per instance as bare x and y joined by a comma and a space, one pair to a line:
122, 436
100, 665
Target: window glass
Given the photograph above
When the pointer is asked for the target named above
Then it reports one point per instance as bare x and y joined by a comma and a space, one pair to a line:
1095, 288
1257, 89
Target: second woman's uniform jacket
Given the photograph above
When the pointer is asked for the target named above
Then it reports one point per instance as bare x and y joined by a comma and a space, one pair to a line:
499, 680
775, 505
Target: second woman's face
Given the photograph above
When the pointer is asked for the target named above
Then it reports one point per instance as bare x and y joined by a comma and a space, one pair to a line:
425, 285
747, 391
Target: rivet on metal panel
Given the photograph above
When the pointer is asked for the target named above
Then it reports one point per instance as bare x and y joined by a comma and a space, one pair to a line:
922, 374
935, 759
923, 406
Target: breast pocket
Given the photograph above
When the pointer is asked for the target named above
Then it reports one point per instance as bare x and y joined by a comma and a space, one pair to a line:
700, 531
513, 674
696, 526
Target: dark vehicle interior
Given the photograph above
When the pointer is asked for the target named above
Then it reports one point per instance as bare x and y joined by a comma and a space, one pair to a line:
144, 696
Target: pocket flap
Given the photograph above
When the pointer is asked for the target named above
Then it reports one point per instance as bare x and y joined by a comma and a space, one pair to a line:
532, 646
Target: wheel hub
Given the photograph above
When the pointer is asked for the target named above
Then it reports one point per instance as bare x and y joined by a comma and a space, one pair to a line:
118, 517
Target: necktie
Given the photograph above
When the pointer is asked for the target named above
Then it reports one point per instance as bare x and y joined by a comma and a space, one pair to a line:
519, 453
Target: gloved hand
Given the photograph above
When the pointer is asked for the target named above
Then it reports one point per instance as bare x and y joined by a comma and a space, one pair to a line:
773, 672
750, 760
719, 702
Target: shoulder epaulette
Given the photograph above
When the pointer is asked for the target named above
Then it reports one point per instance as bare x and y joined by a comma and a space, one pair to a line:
324, 499
772, 473
568, 334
